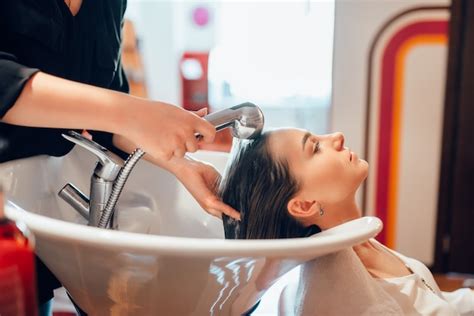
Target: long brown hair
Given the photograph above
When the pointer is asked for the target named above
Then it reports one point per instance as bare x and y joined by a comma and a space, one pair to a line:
260, 187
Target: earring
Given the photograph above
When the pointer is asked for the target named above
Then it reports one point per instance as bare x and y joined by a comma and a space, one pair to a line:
321, 210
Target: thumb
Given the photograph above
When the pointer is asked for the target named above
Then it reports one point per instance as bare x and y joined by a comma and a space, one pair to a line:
201, 112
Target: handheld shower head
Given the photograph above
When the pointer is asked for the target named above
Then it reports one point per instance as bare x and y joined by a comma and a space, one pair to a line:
245, 120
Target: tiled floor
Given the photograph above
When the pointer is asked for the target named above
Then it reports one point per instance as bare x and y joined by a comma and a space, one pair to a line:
451, 282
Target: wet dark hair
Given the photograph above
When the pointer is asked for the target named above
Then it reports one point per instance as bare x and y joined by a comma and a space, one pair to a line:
260, 187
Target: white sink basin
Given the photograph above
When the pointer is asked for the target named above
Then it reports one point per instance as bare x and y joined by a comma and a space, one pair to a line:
169, 258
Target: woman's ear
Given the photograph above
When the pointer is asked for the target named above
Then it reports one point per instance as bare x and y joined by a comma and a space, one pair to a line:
304, 211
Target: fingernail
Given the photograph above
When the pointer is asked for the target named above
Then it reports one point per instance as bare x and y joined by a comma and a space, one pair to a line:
235, 216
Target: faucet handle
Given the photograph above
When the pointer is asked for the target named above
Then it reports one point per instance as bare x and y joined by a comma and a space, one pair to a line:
109, 163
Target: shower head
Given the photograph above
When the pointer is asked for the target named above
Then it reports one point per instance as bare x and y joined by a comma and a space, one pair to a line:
245, 120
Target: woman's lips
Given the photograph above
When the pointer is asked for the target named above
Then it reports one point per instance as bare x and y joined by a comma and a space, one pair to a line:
354, 156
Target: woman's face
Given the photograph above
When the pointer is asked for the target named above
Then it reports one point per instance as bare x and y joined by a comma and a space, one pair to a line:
327, 171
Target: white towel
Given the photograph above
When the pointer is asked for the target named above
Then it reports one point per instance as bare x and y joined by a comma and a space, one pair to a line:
339, 284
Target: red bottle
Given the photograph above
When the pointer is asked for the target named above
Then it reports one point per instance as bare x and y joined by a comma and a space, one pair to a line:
17, 268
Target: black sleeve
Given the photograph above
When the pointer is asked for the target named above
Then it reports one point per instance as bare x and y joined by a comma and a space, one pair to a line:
120, 81
13, 77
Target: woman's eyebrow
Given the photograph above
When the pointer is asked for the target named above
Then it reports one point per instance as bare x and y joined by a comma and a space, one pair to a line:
305, 138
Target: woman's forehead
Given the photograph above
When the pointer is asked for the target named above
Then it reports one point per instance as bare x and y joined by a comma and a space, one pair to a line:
287, 142
287, 132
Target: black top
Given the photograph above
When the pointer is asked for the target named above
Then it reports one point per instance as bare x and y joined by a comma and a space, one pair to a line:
43, 35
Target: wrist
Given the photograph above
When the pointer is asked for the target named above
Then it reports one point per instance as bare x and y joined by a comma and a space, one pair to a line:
121, 117
176, 166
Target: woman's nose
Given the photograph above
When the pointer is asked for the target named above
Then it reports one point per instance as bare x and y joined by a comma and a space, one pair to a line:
338, 140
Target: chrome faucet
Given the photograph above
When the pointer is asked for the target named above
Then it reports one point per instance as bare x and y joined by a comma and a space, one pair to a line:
102, 180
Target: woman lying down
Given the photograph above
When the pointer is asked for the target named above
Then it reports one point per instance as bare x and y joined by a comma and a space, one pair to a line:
290, 183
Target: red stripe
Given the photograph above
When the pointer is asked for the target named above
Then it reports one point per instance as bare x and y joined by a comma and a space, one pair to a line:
386, 107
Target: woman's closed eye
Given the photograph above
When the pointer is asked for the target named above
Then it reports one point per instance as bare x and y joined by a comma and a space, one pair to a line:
316, 147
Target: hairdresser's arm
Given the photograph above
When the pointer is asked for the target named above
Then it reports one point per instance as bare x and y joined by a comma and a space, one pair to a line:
162, 130
199, 178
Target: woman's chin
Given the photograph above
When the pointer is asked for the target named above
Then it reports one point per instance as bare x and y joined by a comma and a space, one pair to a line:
364, 165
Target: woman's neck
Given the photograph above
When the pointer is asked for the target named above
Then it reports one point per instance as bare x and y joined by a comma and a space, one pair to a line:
341, 212
346, 211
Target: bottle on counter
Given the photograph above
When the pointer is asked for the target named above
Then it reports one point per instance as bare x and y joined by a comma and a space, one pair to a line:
17, 268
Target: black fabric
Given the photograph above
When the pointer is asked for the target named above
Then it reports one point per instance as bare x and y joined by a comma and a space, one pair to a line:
42, 35
46, 280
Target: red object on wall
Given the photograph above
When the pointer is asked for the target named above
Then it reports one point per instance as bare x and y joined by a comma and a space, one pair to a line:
193, 69
193, 73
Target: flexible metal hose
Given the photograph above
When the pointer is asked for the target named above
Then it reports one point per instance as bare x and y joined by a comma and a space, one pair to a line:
118, 186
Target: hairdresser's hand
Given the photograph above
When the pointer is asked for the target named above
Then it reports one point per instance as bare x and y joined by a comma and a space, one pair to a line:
165, 131
201, 180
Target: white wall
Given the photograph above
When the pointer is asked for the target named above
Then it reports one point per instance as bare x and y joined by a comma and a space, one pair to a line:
356, 24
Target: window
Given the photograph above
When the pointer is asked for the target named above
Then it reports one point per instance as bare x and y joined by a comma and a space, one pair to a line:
277, 55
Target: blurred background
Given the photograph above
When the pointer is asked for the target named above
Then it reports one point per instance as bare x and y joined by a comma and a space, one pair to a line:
221, 53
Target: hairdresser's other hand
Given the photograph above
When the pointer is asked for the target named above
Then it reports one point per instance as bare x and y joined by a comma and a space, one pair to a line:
201, 180
164, 130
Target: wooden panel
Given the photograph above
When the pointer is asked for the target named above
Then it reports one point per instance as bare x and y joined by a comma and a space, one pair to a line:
455, 236
462, 234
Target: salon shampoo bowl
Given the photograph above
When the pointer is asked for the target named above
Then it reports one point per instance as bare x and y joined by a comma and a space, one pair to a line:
168, 257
